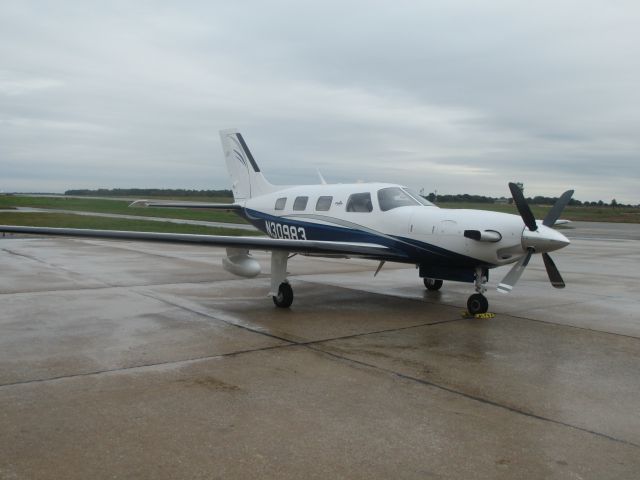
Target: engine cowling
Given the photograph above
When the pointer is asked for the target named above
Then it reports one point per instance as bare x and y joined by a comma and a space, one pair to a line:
241, 263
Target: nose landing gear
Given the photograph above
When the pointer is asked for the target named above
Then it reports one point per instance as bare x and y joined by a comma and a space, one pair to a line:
478, 303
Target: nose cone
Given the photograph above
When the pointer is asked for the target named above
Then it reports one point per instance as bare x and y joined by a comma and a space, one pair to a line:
544, 239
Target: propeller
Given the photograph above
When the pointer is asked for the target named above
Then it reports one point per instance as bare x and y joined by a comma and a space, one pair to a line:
554, 275
543, 240
556, 210
524, 210
513, 276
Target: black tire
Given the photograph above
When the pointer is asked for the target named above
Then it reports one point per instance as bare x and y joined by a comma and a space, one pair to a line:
477, 303
284, 299
432, 284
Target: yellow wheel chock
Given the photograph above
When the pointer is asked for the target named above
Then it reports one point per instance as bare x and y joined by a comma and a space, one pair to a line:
486, 315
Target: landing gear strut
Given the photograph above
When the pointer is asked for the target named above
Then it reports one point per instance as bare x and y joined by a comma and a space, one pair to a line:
432, 284
478, 303
281, 292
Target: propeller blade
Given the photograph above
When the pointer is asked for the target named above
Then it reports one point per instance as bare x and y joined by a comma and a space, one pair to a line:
513, 276
552, 271
524, 210
556, 210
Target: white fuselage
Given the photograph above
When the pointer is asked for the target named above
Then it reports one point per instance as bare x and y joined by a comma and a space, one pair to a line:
429, 233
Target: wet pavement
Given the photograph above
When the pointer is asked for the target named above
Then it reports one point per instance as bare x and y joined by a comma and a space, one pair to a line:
134, 360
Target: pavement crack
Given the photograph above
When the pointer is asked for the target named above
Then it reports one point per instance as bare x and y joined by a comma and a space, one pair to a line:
289, 340
29, 257
212, 317
485, 401
141, 366
107, 286
566, 325
51, 265
375, 332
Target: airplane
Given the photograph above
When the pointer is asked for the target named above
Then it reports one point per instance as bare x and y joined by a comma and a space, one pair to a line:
384, 222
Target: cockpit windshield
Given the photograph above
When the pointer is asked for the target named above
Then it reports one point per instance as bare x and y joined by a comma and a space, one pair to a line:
419, 197
394, 197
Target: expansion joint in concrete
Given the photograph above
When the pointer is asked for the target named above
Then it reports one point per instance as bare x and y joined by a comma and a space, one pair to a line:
469, 396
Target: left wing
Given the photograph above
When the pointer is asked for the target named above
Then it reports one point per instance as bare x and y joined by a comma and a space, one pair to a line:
313, 247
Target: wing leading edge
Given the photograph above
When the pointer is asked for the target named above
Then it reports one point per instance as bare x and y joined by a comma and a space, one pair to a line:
312, 247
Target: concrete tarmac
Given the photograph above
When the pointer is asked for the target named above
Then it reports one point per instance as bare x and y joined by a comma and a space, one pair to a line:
135, 360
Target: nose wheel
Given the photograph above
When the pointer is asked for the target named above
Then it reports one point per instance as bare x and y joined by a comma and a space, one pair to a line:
478, 303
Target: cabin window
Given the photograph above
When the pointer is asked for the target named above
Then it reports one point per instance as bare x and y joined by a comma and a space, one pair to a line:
324, 203
300, 203
359, 202
280, 203
394, 197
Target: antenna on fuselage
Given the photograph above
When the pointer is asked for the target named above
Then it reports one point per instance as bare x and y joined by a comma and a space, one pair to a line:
322, 180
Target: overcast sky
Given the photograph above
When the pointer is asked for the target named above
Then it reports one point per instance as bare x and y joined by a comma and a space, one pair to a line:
458, 96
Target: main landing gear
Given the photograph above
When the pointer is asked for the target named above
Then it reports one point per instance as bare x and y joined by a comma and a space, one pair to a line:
284, 298
281, 292
432, 284
478, 303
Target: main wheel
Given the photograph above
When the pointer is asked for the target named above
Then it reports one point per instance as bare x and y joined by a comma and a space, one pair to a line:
477, 303
432, 284
284, 299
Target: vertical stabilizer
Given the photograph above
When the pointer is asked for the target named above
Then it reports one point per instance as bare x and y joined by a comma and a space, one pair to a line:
247, 180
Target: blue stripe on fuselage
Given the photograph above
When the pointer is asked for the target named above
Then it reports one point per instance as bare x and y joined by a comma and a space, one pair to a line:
414, 250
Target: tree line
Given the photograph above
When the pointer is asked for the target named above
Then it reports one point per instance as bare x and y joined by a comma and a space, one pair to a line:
537, 200
149, 192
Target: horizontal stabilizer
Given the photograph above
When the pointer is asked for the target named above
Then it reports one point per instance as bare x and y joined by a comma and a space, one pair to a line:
212, 206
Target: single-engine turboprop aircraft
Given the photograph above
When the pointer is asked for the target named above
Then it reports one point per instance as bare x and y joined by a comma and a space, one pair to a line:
378, 221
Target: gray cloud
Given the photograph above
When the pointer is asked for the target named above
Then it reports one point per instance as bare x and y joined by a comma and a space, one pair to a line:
454, 96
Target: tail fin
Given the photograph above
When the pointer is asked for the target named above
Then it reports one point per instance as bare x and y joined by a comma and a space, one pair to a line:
247, 180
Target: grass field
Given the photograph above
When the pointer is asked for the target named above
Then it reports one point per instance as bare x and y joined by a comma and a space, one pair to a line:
120, 207
584, 214
65, 220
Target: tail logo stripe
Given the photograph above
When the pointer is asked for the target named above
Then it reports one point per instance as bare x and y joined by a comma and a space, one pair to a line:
240, 157
248, 153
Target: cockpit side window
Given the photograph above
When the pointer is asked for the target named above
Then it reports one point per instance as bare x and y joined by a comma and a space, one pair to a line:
280, 203
300, 203
359, 202
324, 203
394, 197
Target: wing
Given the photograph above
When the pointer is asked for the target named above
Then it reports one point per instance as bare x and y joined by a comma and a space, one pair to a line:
212, 206
310, 247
